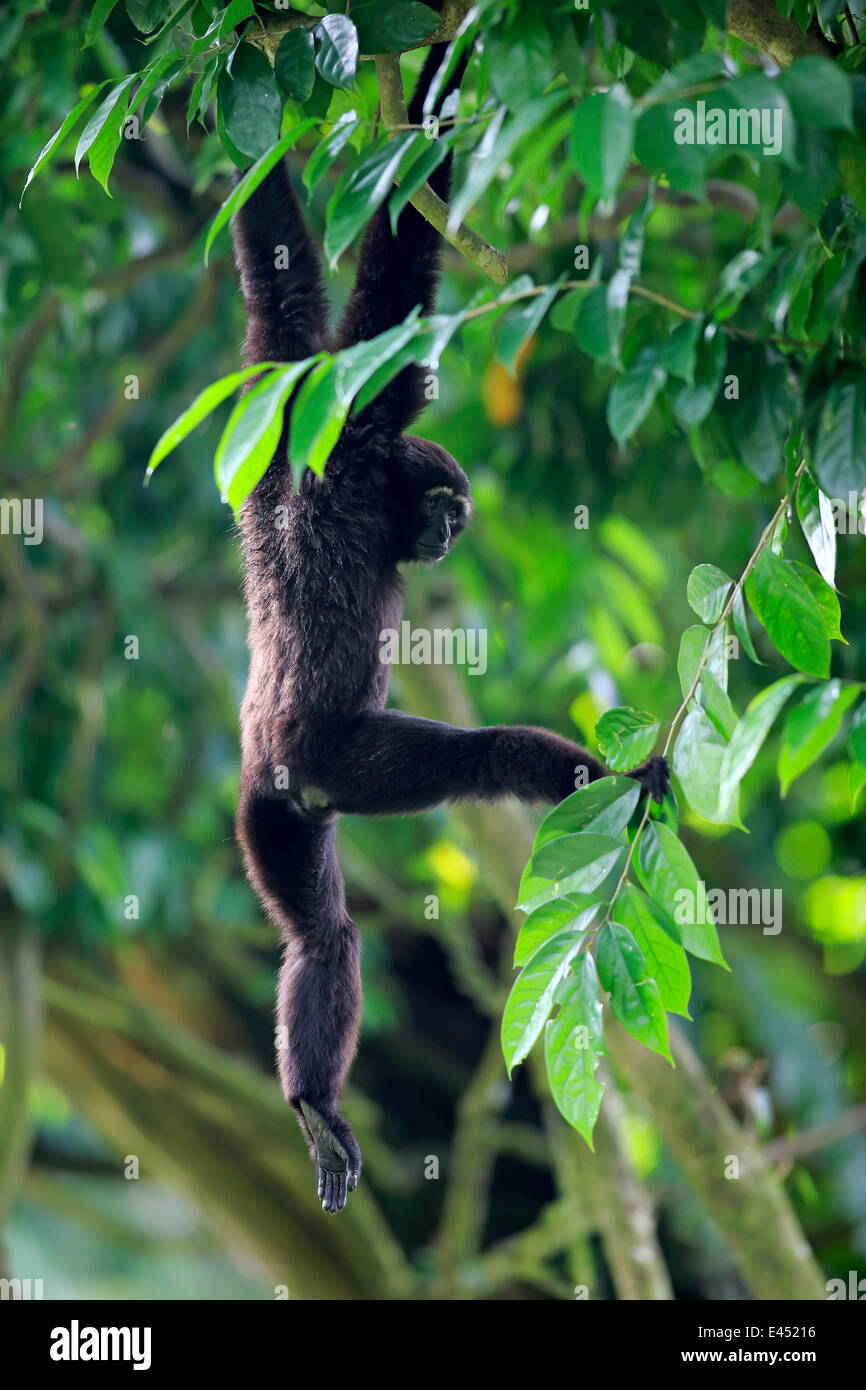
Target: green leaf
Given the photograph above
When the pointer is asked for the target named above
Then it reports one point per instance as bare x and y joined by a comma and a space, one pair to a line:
146, 14
567, 865
692, 646
247, 185
363, 188
693, 403
707, 592
810, 726
601, 139
626, 736
697, 762
252, 434
857, 735
741, 625
387, 28
208, 400
235, 13
739, 276
717, 704
177, 15
337, 50
591, 327
294, 64
633, 393
856, 786
819, 93
519, 64
324, 400
573, 1043
826, 598
328, 149
574, 913
101, 119
816, 519
671, 879
763, 418
659, 941
631, 243
157, 76
521, 322
496, 147
317, 419
250, 103
424, 162
634, 996
604, 807
532, 995
840, 440
657, 149
62, 131
750, 733
99, 16
790, 614
679, 350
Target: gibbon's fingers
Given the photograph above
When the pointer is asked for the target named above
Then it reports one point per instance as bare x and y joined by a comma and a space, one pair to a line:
654, 776
336, 1176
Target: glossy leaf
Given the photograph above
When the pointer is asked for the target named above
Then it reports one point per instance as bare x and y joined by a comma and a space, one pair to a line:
707, 592
532, 995
671, 880
576, 912
626, 737
659, 941
569, 864
601, 139
789, 613
605, 807
573, 1043
752, 729
337, 50
810, 726
635, 998
294, 64
250, 103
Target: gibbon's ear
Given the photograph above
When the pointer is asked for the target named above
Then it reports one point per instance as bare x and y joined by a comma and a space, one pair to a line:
396, 273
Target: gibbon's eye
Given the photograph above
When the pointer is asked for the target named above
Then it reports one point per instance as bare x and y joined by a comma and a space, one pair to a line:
455, 513
429, 505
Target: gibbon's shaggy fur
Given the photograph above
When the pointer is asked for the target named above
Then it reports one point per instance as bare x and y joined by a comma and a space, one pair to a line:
321, 585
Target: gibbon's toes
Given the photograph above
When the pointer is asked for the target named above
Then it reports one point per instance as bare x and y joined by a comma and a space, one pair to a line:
655, 778
337, 1175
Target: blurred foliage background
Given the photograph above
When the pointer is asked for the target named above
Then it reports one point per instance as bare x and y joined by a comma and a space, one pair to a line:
145, 1150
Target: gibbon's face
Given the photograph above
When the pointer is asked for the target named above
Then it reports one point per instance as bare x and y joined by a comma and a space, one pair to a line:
442, 515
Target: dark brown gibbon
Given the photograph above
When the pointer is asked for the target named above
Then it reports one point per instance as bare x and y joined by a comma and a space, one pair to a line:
321, 587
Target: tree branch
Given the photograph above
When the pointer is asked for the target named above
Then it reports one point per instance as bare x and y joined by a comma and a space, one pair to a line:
268, 38
759, 23
428, 203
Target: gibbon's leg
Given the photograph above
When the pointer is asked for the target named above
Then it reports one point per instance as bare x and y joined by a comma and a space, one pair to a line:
293, 866
280, 274
387, 763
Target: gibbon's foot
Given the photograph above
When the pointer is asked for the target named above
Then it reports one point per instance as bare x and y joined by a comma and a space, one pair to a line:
654, 776
338, 1170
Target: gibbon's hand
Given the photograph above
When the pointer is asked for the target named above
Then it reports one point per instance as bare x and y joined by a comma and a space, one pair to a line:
654, 776
338, 1171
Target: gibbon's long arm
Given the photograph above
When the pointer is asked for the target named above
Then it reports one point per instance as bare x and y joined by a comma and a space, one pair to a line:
280, 274
398, 272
